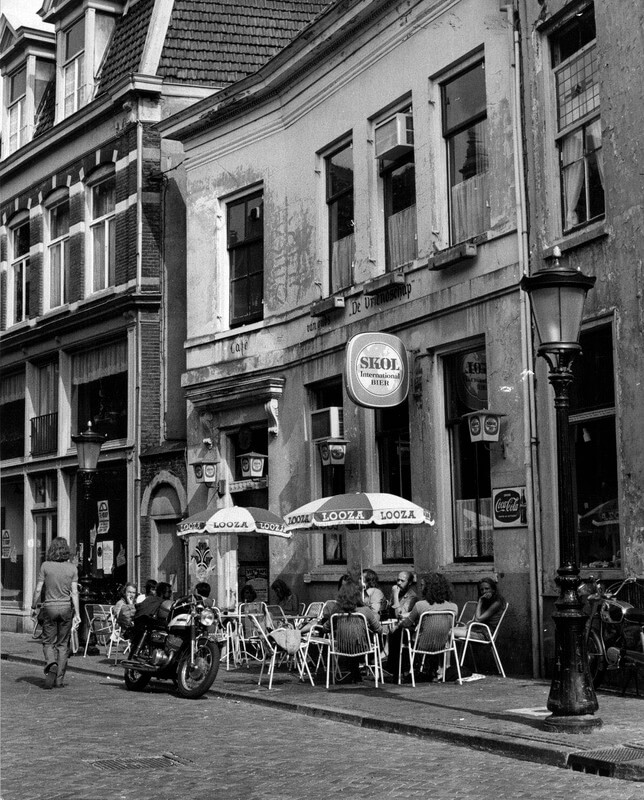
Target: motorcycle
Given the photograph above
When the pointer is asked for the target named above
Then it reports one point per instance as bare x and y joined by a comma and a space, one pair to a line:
614, 631
179, 649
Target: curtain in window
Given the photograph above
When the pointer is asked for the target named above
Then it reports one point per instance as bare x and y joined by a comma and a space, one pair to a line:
99, 363
470, 212
47, 399
401, 235
468, 523
594, 137
12, 388
342, 256
572, 153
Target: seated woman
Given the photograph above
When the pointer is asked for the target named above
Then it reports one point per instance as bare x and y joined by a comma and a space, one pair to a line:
488, 610
124, 608
437, 594
374, 596
349, 601
286, 599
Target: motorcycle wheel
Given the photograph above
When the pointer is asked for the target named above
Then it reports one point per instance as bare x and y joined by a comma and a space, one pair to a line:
596, 660
192, 683
136, 681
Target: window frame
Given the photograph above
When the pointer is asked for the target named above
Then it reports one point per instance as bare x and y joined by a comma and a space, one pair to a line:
107, 223
565, 132
75, 61
450, 134
17, 103
458, 436
19, 274
247, 245
60, 243
332, 200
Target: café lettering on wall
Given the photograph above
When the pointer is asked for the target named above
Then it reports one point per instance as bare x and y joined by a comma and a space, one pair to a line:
376, 370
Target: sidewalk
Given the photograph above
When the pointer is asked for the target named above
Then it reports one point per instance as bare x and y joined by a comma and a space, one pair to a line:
494, 714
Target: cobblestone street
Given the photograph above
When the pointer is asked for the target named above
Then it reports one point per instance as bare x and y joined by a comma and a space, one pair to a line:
58, 745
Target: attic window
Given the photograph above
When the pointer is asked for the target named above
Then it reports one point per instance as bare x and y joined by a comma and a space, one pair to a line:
74, 57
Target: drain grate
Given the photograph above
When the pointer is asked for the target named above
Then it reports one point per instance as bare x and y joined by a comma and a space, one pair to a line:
602, 762
149, 762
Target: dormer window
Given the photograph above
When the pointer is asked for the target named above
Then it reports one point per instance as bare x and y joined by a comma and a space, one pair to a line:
17, 116
73, 66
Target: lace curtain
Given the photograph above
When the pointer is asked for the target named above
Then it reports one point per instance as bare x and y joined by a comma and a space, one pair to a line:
470, 212
342, 255
99, 363
402, 237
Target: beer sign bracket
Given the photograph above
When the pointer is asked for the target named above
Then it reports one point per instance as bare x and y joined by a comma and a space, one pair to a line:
484, 426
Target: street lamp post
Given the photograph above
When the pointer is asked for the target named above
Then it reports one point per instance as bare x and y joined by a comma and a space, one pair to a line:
88, 448
557, 297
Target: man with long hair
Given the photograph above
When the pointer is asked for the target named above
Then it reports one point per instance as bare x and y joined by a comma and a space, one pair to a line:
60, 579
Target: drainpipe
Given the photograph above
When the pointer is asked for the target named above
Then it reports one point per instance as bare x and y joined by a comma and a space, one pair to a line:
137, 334
527, 359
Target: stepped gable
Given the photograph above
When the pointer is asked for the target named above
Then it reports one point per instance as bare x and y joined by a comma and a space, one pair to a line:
218, 43
126, 47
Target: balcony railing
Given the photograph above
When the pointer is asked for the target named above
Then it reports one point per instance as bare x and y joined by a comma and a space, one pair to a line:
44, 434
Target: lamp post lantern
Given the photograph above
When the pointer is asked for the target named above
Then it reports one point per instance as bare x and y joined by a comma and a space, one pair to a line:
557, 298
88, 448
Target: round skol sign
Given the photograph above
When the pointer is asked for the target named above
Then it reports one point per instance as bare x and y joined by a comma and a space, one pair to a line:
376, 370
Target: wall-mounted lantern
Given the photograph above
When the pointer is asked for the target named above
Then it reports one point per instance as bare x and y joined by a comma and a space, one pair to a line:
205, 470
251, 465
484, 425
333, 451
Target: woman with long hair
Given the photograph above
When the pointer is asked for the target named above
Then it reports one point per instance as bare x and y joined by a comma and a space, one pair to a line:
374, 595
286, 600
489, 609
60, 579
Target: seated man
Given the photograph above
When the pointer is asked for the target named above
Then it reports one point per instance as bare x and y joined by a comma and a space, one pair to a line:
202, 593
148, 611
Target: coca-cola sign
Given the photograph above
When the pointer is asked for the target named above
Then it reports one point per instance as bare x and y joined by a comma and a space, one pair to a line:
510, 507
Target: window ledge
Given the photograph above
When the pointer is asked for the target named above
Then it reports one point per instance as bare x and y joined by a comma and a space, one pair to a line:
577, 239
452, 256
383, 282
326, 305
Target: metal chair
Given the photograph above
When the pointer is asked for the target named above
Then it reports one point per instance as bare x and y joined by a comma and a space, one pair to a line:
117, 638
467, 612
257, 633
99, 625
481, 634
251, 643
350, 637
434, 636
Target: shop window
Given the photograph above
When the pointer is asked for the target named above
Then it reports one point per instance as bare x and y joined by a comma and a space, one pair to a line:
100, 381
11, 524
466, 391
339, 199
58, 255
576, 73
246, 259
73, 68
329, 395
465, 132
593, 434
392, 440
12, 414
394, 144
103, 233
19, 272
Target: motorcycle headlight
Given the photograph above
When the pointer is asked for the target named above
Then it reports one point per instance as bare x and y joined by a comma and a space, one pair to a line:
207, 617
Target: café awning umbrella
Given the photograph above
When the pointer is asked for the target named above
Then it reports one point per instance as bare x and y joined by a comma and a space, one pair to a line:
235, 519
357, 510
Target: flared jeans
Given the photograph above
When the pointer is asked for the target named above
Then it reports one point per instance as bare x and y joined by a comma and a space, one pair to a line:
56, 633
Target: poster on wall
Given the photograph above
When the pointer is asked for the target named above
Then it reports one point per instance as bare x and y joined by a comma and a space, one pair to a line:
103, 517
509, 507
108, 556
6, 544
258, 579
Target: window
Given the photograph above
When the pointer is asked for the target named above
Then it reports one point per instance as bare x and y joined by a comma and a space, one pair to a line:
100, 381
392, 439
103, 234
19, 272
394, 146
339, 198
44, 425
12, 415
465, 132
74, 58
576, 72
58, 254
466, 391
328, 395
17, 99
246, 259
592, 428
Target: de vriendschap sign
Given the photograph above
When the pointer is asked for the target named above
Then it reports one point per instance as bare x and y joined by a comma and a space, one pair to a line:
376, 370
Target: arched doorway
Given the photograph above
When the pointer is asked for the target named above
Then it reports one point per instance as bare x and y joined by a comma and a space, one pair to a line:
167, 556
